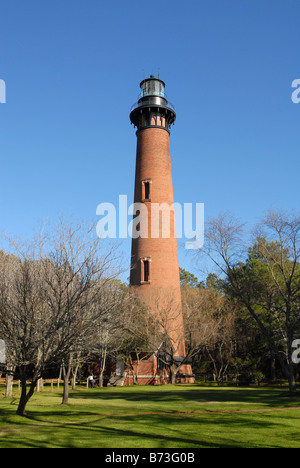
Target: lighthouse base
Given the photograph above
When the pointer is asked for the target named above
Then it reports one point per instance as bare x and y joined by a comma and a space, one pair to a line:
140, 372
146, 372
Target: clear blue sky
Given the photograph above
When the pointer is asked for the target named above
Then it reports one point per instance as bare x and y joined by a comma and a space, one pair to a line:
72, 70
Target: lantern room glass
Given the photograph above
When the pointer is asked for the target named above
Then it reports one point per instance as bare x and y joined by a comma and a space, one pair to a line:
152, 88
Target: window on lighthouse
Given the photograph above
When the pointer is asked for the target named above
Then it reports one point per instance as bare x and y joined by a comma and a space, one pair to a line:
146, 270
147, 190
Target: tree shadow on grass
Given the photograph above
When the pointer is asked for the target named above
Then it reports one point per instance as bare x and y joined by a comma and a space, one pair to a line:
270, 397
155, 431
91, 428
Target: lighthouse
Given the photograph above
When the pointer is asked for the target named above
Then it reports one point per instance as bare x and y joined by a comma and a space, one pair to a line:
154, 272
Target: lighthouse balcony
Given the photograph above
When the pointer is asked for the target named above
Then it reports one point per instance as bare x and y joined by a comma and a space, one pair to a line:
153, 101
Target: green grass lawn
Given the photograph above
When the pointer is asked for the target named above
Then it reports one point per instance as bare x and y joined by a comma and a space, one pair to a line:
170, 416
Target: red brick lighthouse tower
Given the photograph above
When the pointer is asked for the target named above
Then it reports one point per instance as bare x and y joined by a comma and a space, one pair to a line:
154, 259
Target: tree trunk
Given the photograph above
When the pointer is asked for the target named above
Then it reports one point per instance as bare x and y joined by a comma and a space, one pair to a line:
102, 362
66, 374
39, 385
291, 378
137, 368
65, 400
134, 376
25, 397
59, 377
287, 367
74, 377
9, 384
173, 373
272, 368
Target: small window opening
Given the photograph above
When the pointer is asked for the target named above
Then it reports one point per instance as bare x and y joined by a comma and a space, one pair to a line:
147, 190
146, 270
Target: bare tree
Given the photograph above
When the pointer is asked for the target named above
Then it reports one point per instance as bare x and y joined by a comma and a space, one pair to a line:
176, 332
168, 314
140, 335
209, 326
170, 325
104, 334
46, 295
